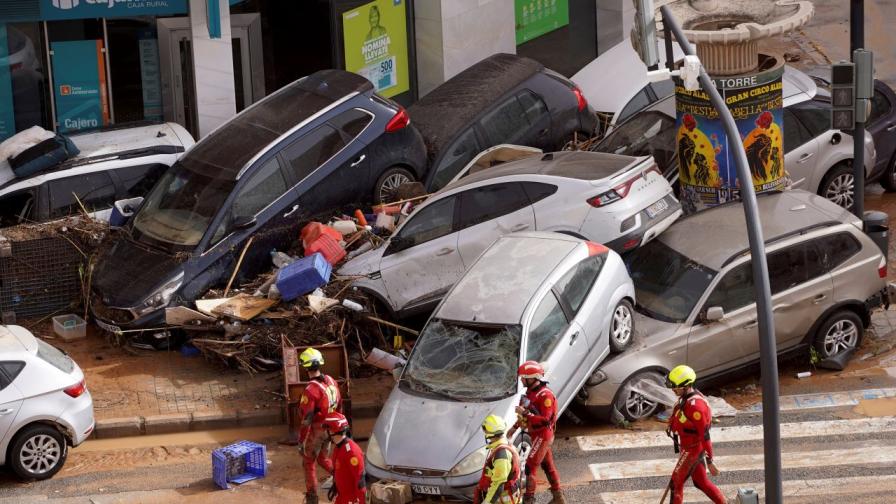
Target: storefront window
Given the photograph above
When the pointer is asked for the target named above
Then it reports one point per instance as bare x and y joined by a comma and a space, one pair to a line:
561, 34
134, 60
24, 92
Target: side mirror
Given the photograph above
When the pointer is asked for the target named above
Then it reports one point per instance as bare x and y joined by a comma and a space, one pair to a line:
244, 222
835, 138
714, 313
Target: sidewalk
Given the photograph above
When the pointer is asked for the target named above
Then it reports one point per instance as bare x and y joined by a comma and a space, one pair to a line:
138, 392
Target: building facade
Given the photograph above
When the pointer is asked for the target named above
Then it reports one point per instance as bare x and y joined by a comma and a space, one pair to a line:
71, 65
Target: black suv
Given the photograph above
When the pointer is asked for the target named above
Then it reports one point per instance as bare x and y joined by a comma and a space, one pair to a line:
324, 141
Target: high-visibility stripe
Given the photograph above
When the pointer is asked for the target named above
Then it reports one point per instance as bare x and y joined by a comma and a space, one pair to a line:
653, 439
751, 462
794, 488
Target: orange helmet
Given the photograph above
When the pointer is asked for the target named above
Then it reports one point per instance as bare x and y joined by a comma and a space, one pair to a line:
335, 423
531, 369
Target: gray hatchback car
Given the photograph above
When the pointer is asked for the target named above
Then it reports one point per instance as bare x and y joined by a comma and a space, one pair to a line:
696, 303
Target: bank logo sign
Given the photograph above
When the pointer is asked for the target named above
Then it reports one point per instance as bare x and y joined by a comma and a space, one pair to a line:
83, 9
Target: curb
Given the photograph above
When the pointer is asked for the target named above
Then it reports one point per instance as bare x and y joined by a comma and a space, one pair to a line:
171, 423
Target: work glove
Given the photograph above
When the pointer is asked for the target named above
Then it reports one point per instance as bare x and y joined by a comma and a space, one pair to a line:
331, 493
712, 468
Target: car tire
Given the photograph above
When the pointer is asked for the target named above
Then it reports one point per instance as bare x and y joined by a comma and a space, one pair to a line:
835, 187
634, 406
622, 327
841, 332
37, 452
388, 183
888, 179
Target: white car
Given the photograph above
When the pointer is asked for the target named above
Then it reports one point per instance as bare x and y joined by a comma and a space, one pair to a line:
44, 405
620, 201
536, 296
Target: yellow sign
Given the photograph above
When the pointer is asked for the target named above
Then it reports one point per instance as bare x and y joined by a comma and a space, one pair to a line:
376, 45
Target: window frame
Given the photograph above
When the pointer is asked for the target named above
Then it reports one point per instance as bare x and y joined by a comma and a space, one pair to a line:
437, 165
565, 302
454, 220
36, 210
538, 99
494, 111
559, 335
7, 379
872, 118
466, 195
800, 127
48, 192
829, 265
286, 162
345, 135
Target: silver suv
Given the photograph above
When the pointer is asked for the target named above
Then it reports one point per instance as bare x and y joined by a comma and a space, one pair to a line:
696, 304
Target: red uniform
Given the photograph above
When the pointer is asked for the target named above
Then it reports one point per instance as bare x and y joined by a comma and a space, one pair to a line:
320, 397
691, 419
348, 476
539, 421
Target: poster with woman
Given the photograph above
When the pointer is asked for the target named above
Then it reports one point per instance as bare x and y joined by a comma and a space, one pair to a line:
375, 38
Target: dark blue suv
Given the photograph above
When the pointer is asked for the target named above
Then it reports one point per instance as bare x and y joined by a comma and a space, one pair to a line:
317, 144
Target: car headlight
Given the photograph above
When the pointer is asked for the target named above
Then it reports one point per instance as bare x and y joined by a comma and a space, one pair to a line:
374, 454
470, 464
162, 296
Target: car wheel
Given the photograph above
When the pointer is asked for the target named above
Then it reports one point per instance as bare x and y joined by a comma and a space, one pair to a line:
388, 183
841, 332
38, 452
888, 180
838, 186
632, 405
622, 327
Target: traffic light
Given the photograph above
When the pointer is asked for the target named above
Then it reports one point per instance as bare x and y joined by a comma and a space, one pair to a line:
843, 95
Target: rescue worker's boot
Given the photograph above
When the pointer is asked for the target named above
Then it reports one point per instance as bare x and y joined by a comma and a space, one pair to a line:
311, 498
557, 497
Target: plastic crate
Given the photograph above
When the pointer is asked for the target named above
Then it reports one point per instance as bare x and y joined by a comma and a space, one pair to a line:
238, 463
123, 210
326, 245
69, 327
303, 276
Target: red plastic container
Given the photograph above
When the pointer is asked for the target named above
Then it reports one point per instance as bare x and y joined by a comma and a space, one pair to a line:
313, 230
328, 247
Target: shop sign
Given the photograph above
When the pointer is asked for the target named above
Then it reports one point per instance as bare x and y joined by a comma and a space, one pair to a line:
376, 47
150, 77
707, 170
7, 114
79, 85
82, 9
534, 18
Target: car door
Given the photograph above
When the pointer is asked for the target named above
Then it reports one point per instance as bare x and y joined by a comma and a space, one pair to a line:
800, 152
714, 346
453, 158
421, 261
556, 342
882, 125
319, 162
586, 300
507, 123
540, 133
94, 192
355, 177
10, 397
489, 212
801, 291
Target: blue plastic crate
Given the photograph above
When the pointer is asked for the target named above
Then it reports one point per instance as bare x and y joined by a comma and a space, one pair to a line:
238, 463
303, 276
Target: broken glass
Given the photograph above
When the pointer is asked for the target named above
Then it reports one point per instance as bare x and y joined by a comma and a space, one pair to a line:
465, 361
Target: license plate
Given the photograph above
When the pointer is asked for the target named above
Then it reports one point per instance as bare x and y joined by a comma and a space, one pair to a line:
114, 329
426, 489
657, 208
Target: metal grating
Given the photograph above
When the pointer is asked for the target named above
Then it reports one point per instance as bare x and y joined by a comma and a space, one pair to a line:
39, 277
19, 10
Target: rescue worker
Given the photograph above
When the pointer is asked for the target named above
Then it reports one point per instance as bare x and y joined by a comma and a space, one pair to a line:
349, 485
537, 415
320, 398
500, 481
689, 427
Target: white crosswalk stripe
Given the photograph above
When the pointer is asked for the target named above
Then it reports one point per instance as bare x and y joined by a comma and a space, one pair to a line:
653, 439
792, 489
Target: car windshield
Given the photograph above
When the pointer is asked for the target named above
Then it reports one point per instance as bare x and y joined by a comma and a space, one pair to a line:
646, 134
179, 209
667, 283
465, 362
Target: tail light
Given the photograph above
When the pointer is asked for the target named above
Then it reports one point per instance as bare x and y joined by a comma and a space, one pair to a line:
596, 249
580, 98
882, 268
77, 389
398, 121
616, 193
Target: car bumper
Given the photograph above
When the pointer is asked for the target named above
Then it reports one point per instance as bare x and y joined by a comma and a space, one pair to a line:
650, 228
455, 487
150, 320
79, 419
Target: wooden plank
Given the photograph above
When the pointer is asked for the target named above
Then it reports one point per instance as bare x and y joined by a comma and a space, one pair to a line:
244, 307
181, 315
207, 305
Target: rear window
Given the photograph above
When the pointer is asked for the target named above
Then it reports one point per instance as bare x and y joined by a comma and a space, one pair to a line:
54, 356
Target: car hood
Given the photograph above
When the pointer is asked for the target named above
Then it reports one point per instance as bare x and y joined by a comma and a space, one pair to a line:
420, 432
127, 273
364, 264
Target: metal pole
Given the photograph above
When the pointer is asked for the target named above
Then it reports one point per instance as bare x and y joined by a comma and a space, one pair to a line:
771, 429
670, 56
857, 41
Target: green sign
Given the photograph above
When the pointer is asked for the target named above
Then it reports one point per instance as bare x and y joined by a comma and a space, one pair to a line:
534, 18
79, 85
376, 45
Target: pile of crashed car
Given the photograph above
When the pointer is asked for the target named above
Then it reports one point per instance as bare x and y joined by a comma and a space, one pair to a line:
580, 259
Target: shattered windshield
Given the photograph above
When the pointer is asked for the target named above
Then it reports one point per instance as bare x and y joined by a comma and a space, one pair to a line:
464, 362
646, 134
667, 283
179, 209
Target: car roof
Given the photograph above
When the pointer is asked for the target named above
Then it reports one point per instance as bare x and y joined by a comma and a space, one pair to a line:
15, 339
450, 107
225, 151
583, 165
500, 284
714, 236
